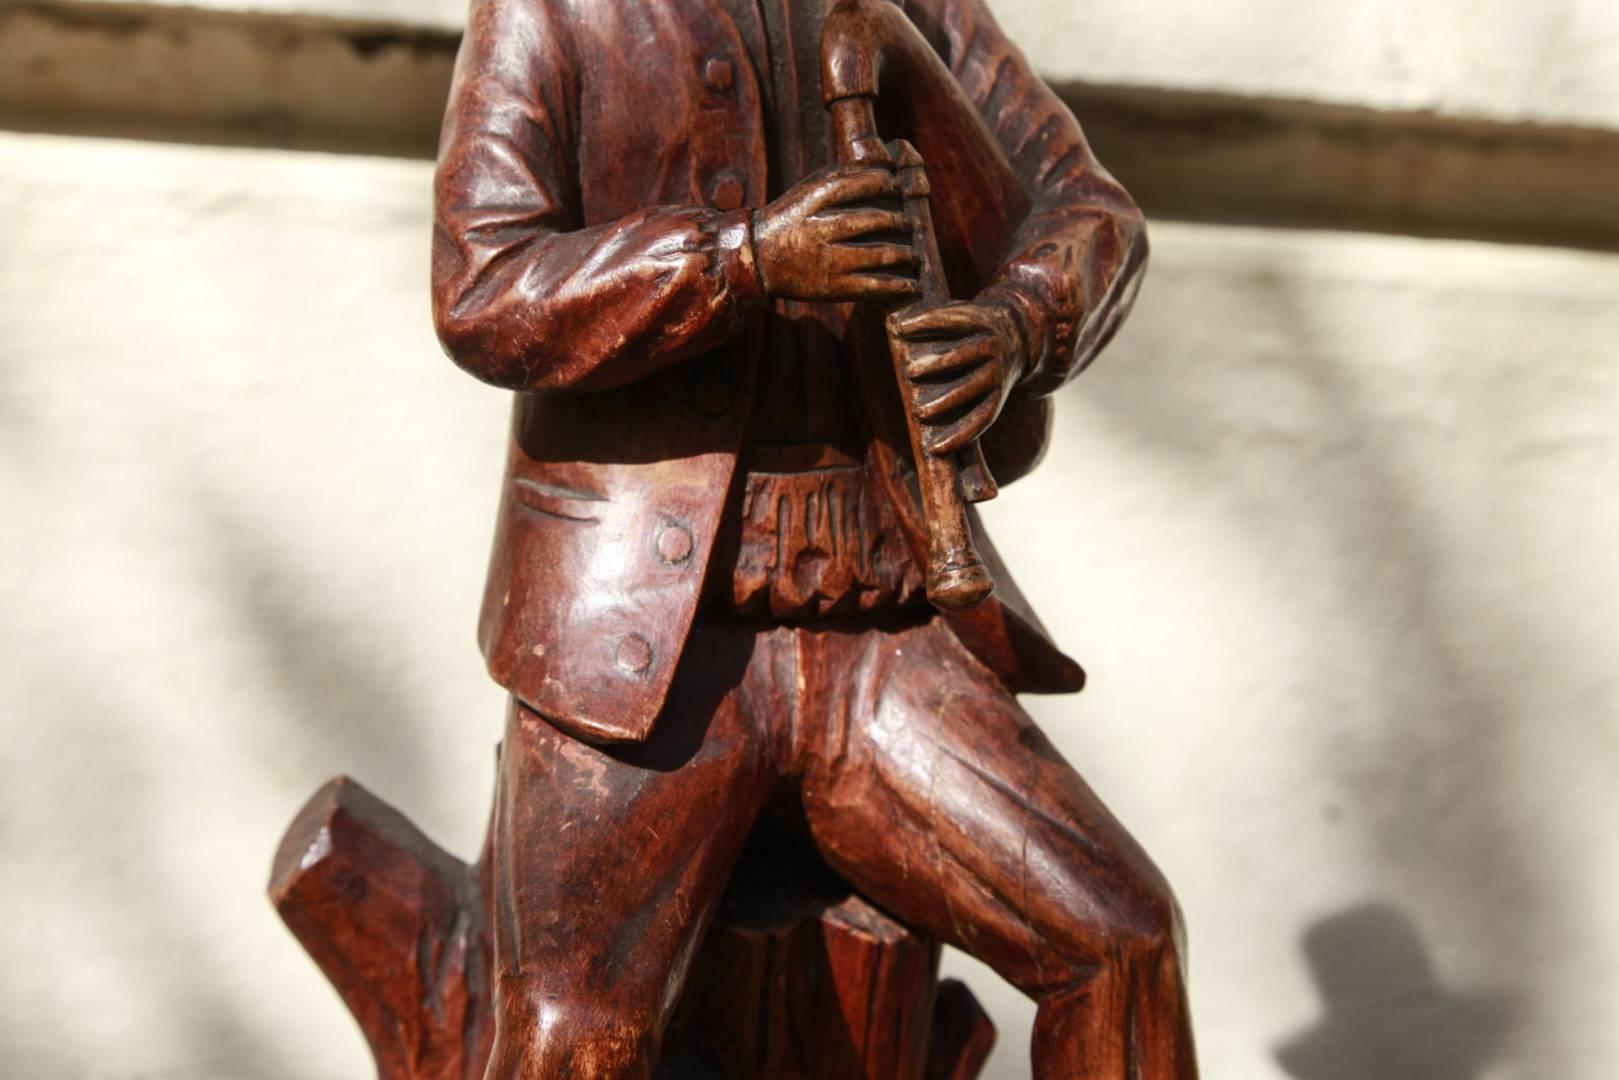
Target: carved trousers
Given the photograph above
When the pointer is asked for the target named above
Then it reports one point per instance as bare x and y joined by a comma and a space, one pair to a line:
919, 779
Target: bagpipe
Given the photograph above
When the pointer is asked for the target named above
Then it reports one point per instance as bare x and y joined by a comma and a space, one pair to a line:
880, 76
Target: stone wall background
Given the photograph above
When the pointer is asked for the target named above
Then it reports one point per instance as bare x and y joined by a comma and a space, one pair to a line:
1331, 525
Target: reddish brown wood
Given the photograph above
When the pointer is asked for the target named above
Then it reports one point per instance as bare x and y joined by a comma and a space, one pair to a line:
797, 980
963, 1034
861, 38
399, 927
610, 234
763, 362
801, 980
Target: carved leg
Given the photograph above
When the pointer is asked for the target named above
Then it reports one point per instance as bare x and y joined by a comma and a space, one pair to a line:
797, 980
948, 807
609, 863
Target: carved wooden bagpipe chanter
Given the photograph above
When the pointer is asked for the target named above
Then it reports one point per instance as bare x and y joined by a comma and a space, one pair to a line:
880, 77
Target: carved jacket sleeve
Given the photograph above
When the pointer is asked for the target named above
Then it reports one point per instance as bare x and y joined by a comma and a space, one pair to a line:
523, 296
1072, 268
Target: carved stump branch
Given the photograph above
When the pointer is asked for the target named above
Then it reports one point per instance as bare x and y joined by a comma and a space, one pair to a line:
399, 927
797, 980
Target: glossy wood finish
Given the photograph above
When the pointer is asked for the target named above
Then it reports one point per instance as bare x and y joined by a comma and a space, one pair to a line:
765, 355
399, 926
957, 576
802, 979
596, 194
798, 979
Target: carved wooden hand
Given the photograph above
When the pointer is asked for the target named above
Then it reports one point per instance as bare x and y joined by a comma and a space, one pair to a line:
828, 239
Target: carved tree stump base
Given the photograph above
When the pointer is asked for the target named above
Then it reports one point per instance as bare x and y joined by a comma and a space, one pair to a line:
798, 979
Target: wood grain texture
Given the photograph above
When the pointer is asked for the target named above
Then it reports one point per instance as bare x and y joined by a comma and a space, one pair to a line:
713, 247
797, 980
398, 925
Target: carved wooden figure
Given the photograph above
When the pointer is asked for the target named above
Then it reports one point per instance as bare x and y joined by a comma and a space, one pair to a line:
782, 287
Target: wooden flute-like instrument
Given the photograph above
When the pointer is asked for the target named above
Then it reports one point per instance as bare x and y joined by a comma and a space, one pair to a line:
861, 41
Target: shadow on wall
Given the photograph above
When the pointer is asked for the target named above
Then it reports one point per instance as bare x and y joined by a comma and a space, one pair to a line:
1387, 1016
1345, 499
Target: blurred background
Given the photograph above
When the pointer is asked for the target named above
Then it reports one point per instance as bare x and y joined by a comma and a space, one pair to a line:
1332, 524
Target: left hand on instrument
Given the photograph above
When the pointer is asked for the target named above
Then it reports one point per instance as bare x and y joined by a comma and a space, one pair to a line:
962, 360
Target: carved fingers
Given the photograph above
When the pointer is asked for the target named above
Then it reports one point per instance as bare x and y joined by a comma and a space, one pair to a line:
962, 361
864, 221
837, 235
845, 185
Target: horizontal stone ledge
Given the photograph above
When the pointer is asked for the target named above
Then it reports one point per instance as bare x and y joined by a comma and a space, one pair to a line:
355, 86
1268, 161
219, 76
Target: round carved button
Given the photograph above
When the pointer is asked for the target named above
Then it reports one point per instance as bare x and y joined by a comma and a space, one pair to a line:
634, 654
712, 395
727, 193
674, 544
718, 75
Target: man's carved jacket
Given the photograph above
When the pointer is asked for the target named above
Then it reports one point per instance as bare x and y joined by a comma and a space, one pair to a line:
592, 251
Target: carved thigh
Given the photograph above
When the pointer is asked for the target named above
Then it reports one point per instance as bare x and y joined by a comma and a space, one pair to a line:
939, 798
609, 860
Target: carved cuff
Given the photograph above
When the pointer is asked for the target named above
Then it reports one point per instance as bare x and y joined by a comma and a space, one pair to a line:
735, 255
1029, 318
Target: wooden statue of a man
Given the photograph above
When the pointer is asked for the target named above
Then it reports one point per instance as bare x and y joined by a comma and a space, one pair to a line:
708, 592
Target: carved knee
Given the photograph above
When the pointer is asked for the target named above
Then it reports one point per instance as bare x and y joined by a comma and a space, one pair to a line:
1140, 927
540, 1039
1150, 928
